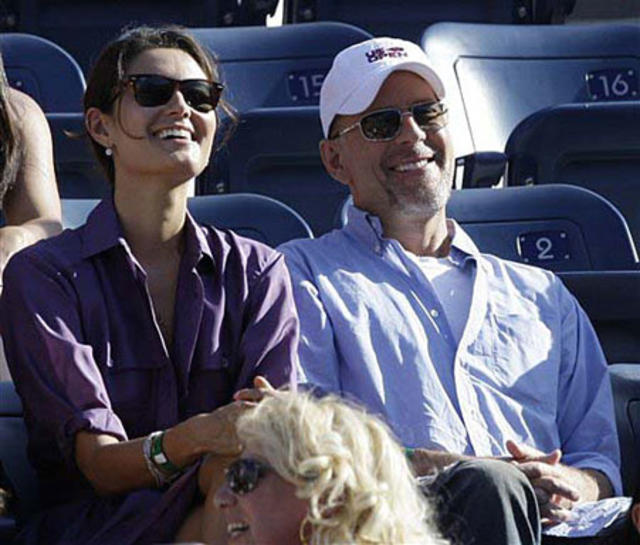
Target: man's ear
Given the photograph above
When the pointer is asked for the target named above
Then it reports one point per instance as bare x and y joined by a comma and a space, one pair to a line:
98, 127
331, 156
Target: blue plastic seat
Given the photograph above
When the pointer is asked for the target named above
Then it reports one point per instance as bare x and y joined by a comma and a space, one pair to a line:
83, 28
408, 18
78, 172
261, 218
625, 379
267, 67
44, 71
274, 152
496, 75
594, 145
274, 77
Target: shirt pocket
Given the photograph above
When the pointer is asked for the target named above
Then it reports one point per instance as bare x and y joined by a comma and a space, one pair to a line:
521, 355
212, 381
132, 385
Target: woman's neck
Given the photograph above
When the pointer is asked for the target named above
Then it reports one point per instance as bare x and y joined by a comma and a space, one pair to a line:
152, 218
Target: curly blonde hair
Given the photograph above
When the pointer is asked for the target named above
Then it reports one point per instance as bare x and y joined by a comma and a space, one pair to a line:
345, 462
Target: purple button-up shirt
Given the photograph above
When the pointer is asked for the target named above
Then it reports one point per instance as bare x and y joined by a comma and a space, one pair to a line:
86, 352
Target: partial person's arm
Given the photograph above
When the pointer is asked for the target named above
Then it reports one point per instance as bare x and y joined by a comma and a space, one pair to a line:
587, 467
32, 206
114, 466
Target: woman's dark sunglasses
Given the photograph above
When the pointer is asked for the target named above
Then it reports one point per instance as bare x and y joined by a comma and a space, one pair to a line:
243, 475
153, 90
385, 125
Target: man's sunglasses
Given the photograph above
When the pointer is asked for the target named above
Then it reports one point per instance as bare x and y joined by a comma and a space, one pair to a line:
384, 125
152, 90
243, 475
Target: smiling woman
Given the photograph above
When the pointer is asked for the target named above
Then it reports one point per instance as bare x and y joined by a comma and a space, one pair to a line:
128, 361
335, 473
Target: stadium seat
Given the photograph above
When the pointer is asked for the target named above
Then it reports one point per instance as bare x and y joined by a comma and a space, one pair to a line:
277, 66
274, 77
260, 218
594, 145
559, 227
274, 152
83, 28
496, 75
76, 211
78, 172
625, 379
44, 71
408, 18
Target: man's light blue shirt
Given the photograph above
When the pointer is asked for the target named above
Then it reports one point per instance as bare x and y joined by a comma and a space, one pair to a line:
528, 367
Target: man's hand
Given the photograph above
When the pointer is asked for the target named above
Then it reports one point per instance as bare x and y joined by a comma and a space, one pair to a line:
552, 482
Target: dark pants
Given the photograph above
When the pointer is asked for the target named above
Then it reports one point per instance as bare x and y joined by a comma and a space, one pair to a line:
486, 502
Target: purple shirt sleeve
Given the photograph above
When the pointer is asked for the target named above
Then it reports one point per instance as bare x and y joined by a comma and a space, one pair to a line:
52, 366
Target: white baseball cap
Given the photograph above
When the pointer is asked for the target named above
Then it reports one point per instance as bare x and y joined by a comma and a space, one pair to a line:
359, 71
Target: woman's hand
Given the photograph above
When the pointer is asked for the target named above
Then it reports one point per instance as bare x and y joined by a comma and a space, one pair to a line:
261, 387
213, 433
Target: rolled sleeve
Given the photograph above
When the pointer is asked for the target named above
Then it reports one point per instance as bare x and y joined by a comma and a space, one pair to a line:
56, 376
586, 417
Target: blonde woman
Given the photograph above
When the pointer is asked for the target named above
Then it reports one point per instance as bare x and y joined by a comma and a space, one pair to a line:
319, 471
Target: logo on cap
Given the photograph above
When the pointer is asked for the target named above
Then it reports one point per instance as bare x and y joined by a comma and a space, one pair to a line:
376, 55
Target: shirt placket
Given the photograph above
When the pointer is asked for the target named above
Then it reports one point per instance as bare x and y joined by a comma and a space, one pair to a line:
474, 420
165, 379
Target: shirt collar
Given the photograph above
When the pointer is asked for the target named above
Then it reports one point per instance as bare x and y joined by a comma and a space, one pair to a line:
103, 231
368, 229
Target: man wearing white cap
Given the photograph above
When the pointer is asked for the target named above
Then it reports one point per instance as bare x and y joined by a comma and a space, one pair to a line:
470, 358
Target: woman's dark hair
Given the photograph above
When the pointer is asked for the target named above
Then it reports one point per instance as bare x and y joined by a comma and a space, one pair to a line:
9, 147
110, 69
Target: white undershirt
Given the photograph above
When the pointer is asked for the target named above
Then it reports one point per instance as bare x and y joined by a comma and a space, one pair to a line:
453, 286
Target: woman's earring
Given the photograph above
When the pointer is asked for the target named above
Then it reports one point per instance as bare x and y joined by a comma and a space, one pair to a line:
108, 152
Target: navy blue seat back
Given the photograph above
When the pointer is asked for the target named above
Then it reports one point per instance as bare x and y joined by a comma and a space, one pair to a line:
625, 379
496, 75
277, 66
275, 152
78, 173
44, 71
559, 227
83, 28
260, 218
274, 77
408, 18
596, 146
76, 211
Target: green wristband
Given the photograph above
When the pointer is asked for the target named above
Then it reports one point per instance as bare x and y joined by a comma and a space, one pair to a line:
409, 453
158, 456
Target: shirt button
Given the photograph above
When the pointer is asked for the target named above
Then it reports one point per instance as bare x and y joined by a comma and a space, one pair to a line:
434, 313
